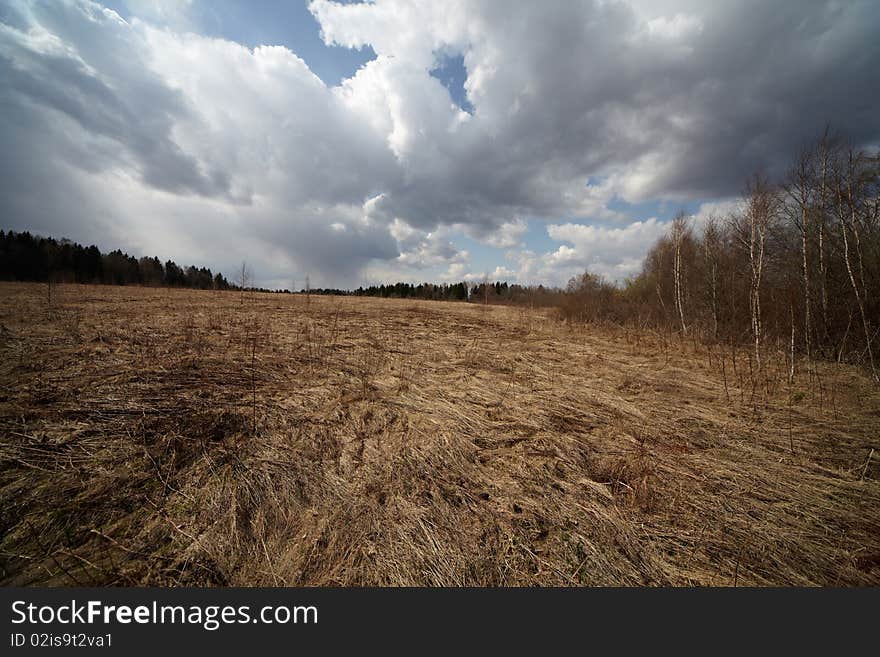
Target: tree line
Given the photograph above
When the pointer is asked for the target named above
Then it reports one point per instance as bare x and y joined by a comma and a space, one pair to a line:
431, 291
400, 290
497, 292
26, 257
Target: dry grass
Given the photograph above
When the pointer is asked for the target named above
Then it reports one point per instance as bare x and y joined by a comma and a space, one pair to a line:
170, 437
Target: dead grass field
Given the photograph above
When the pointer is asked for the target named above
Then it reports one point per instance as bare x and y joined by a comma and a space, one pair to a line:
176, 437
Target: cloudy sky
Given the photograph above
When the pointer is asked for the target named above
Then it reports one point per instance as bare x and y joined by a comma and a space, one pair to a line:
394, 140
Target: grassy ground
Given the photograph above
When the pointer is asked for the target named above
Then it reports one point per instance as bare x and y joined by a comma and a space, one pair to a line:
172, 437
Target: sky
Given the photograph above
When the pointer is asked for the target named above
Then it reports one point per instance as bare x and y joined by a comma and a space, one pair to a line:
358, 143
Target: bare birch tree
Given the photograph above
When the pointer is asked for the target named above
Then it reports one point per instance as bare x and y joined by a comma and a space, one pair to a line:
849, 177
800, 190
679, 232
761, 213
711, 264
243, 278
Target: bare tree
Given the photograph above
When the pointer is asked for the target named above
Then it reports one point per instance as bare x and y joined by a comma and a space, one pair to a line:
243, 278
655, 257
849, 176
760, 215
679, 232
823, 155
711, 257
800, 189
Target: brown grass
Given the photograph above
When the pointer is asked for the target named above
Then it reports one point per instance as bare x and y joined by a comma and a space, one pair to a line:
173, 437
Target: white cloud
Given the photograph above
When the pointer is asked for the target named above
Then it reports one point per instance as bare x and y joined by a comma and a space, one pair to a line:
504, 236
721, 210
501, 273
615, 253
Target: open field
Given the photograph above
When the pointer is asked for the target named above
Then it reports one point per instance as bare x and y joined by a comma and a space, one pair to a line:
178, 437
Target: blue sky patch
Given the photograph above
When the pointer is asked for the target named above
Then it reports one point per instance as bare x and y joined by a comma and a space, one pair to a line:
271, 23
452, 74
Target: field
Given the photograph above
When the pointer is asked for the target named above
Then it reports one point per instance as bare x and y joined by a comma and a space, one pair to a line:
177, 437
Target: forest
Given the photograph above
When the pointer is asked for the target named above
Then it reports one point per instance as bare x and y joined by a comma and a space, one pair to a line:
796, 268
27, 257
31, 258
